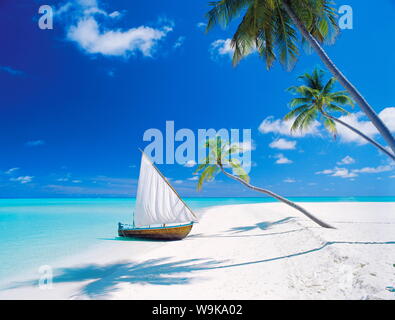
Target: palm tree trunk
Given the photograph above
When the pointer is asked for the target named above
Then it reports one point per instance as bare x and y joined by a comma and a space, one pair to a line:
280, 198
360, 134
359, 99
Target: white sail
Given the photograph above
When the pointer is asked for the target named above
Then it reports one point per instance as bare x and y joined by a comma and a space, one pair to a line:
157, 202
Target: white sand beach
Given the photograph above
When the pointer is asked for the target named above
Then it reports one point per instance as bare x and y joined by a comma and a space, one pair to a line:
255, 251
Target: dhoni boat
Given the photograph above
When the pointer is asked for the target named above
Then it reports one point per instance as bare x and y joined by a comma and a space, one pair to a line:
160, 212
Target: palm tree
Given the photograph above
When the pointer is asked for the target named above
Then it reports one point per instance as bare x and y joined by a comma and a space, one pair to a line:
220, 156
316, 100
270, 27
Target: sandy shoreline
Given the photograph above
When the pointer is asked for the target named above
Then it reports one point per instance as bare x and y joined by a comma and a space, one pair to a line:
254, 251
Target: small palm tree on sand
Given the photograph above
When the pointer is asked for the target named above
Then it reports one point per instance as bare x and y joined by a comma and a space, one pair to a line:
221, 156
315, 100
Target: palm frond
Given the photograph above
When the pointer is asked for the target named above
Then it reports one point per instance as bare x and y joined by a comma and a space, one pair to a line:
335, 108
224, 11
239, 170
203, 165
243, 40
342, 99
303, 90
330, 125
265, 38
297, 124
295, 112
286, 39
267, 27
329, 85
309, 117
319, 17
207, 175
298, 101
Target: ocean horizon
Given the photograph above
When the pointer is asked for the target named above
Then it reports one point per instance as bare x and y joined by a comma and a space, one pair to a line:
36, 232
264, 198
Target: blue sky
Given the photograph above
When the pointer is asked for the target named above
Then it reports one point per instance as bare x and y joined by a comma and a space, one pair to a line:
76, 100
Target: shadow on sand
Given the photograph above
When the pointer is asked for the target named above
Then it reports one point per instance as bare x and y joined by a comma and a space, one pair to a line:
265, 225
326, 244
201, 235
237, 232
105, 278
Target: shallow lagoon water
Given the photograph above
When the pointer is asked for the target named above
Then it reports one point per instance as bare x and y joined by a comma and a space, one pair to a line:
36, 232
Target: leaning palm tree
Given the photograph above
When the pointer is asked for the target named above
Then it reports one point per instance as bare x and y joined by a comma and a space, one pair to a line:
316, 99
270, 28
220, 157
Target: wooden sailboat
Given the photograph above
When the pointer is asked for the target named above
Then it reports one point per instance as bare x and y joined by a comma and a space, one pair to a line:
160, 212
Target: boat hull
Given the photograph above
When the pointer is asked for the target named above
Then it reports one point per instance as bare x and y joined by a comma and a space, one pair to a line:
159, 233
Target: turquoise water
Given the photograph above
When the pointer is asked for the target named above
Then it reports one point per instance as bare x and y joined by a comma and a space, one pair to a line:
34, 232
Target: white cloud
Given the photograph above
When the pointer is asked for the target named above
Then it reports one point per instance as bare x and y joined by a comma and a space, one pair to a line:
23, 180
88, 3
85, 7
195, 178
245, 146
94, 38
190, 163
346, 135
63, 9
289, 180
95, 10
346, 160
115, 43
101, 185
283, 144
65, 178
388, 117
358, 120
178, 181
338, 172
76, 181
35, 143
11, 71
221, 48
378, 169
281, 159
115, 14
11, 171
279, 126
346, 173
180, 41
201, 25
327, 171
